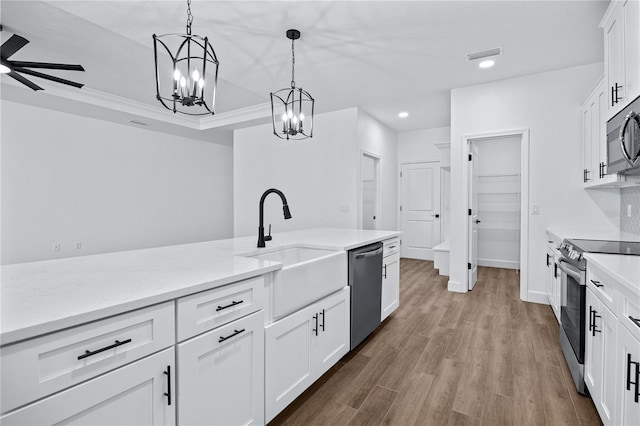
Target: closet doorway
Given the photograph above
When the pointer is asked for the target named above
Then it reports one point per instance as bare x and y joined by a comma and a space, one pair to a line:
495, 200
369, 190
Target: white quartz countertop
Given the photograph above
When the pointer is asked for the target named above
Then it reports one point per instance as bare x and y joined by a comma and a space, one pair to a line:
623, 268
560, 233
42, 297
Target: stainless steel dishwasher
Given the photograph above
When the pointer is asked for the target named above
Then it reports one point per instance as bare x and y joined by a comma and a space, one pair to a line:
365, 279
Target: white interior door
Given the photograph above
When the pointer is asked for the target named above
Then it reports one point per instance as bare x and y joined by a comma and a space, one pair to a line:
420, 209
473, 217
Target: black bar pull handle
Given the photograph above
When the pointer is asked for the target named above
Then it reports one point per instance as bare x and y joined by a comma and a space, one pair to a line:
590, 318
235, 333
315, 317
168, 393
548, 262
322, 325
613, 102
597, 283
555, 270
636, 321
637, 376
117, 343
230, 305
617, 98
384, 267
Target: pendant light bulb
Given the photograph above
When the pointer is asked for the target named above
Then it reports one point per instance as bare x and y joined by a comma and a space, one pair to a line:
176, 75
183, 82
301, 116
196, 75
284, 117
294, 119
201, 83
289, 114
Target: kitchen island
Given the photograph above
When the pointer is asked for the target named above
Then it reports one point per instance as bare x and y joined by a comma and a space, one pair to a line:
65, 327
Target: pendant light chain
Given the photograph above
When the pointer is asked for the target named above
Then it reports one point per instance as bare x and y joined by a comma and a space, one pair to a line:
293, 63
189, 17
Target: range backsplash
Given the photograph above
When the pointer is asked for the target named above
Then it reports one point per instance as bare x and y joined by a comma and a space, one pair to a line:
630, 196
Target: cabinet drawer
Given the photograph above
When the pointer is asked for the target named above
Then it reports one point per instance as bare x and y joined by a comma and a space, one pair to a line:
603, 287
210, 309
629, 313
39, 367
391, 246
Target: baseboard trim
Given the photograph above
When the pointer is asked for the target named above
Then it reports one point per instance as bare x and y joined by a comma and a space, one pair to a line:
456, 287
537, 297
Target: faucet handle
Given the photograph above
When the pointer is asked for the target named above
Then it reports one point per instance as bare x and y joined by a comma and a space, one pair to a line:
268, 237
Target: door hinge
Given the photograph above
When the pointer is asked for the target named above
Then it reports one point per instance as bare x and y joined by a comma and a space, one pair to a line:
400, 208
400, 174
470, 157
469, 266
469, 212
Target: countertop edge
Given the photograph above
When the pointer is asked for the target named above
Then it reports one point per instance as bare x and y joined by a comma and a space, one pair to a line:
17, 335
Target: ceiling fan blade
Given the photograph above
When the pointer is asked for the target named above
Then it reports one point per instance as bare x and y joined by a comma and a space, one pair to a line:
48, 77
24, 81
12, 45
47, 65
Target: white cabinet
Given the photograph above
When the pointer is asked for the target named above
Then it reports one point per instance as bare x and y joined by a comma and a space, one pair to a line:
628, 374
390, 285
621, 26
552, 281
600, 357
302, 346
594, 140
141, 393
221, 375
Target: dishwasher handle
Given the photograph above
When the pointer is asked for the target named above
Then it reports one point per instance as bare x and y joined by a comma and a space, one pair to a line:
369, 253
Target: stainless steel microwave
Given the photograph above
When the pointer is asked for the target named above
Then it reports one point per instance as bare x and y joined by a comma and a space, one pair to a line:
623, 141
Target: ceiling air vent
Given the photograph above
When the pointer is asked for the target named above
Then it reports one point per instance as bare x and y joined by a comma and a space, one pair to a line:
495, 51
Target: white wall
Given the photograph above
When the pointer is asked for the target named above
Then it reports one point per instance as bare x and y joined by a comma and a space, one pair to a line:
318, 175
498, 156
420, 145
548, 104
376, 138
68, 179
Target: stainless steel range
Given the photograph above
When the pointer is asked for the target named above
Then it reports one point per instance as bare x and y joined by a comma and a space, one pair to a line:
573, 302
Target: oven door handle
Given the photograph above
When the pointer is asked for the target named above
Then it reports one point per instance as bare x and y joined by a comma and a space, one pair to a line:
569, 271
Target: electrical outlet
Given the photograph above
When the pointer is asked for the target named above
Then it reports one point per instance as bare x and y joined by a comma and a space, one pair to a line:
629, 210
57, 247
78, 245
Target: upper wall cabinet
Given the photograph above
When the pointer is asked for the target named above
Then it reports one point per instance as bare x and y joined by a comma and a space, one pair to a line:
621, 26
594, 141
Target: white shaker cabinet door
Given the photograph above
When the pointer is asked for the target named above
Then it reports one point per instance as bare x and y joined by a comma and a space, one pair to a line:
628, 376
592, 350
221, 375
137, 394
288, 359
390, 285
614, 61
333, 340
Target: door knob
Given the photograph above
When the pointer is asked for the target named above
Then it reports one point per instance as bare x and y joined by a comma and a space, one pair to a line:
477, 221
435, 215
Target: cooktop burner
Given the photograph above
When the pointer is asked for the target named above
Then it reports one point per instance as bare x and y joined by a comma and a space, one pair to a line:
608, 247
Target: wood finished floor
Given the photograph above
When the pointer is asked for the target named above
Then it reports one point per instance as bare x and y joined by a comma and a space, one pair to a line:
445, 358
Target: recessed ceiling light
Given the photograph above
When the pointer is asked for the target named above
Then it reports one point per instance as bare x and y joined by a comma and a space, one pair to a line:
4, 69
486, 64
403, 114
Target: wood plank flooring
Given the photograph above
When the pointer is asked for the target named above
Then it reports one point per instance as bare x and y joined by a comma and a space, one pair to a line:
443, 358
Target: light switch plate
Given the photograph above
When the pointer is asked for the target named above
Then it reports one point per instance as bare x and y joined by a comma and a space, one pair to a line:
535, 209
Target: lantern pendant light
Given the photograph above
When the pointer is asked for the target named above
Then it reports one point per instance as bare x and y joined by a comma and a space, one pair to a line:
292, 108
187, 79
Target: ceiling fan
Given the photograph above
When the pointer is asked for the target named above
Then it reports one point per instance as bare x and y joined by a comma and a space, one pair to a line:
14, 69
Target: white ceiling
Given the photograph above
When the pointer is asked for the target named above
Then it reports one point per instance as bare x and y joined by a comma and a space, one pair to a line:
382, 56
